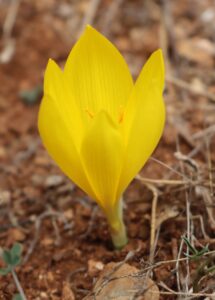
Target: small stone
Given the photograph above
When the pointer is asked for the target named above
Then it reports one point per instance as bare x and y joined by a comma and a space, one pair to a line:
42, 161
208, 15
50, 277
5, 197
94, 267
3, 153
37, 180
53, 180
47, 242
43, 295
65, 10
139, 36
40, 277
195, 50
69, 214
16, 235
67, 293
31, 192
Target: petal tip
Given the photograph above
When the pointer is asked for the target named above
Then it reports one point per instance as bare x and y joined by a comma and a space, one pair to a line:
158, 52
158, 55
50, 61
90, 30
52, 76
52, 65
89, 27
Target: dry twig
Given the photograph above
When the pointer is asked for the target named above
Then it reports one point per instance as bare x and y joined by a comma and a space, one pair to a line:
110, 16
90, 14
9, 43
38, 222
154, 191
188, 87
91, 223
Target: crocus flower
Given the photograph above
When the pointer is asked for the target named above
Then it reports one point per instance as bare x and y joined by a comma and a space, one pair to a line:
98, 126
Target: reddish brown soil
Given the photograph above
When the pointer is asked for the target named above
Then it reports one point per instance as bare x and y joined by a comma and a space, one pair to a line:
72, 233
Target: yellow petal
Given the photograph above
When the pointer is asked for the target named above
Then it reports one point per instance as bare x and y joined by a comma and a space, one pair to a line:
58, 140
98, 75
102, 154
56, 87
144, 118
151, 77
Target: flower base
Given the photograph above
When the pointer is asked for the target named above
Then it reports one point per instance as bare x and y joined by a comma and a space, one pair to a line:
116, 225
119, 236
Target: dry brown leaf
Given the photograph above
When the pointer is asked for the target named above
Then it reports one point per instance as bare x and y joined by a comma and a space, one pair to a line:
67, 293
195, 51
16, 235
119, 283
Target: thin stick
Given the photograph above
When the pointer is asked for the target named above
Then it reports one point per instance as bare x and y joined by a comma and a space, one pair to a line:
200, 219
10, 19
172, 261
110, 16
204, 132
154, 191
153, 221
90, 14
38, 226
209, 163
166, 181
18, 285
191, 154
188, 87
191, 295
168, 167
188, 215
177, 265
173, 182
91, 223
208, 204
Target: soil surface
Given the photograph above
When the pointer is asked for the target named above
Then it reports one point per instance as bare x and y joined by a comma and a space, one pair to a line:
65, 237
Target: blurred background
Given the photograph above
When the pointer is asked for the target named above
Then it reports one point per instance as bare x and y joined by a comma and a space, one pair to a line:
33, 31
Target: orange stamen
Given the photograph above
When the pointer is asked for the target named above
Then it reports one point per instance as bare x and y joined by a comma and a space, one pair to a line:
91, 115
121, 114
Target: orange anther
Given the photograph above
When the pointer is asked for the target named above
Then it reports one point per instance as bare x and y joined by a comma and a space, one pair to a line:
91, 115
121, 113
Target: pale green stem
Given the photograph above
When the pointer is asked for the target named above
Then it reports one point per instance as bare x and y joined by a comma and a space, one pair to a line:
18, 285
116, 225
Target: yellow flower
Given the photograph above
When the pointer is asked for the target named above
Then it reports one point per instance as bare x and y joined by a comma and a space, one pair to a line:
98, 125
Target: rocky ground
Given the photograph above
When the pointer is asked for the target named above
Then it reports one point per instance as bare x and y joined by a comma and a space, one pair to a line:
65, 239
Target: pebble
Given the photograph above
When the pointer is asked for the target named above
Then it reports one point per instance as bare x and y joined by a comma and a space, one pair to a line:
5, 197
67, 293
16, 235
53, 180
94, 267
